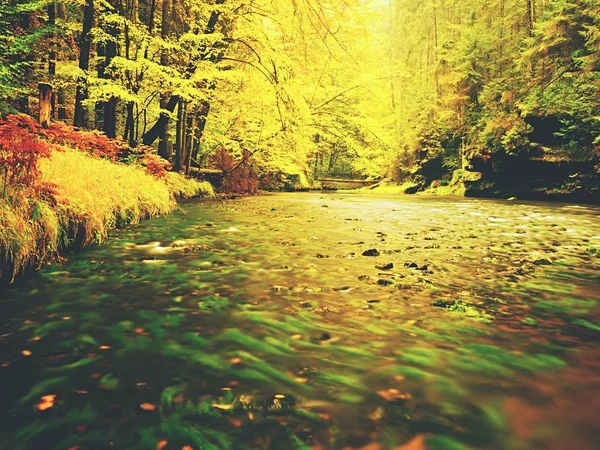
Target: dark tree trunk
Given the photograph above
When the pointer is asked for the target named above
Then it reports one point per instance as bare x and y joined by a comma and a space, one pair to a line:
109, 124
163, 121
202, 118
85, 42
178, 137
189, 141
163, 130
129, 135
45, 112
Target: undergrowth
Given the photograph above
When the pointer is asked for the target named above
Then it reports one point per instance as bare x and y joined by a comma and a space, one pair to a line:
53, 196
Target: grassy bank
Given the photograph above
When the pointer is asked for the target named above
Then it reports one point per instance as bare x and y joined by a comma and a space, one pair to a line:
84, 198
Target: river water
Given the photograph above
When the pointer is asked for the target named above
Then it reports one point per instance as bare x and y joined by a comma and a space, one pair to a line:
264, 322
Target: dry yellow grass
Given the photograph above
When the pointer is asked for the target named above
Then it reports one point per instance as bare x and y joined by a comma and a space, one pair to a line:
94, 195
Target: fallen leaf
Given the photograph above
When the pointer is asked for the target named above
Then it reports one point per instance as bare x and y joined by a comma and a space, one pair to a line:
187, 447
43, 406
26, 353
66, 318
417, 443
148, 406
235, 360
161, 445
222, 407
296, 337
392, 394
377, 414
235, 422
372, 446
47, 402
138, 330
104, 347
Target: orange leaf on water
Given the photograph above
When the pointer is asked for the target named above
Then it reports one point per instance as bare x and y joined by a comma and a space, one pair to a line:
187, 447
26, 353
161, 445
148, 406
43, 406
235, 422
417, 443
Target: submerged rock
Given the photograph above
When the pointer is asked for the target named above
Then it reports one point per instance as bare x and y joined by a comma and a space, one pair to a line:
277, 288
385, 266
322, 337
443, 302
371, 252
276, 402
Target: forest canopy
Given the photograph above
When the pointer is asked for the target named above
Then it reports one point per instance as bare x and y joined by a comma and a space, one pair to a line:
312, 88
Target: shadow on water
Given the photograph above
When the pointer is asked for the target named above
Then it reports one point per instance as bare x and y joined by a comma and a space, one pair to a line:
311, 321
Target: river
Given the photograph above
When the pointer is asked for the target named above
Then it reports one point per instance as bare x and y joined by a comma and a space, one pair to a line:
263, 322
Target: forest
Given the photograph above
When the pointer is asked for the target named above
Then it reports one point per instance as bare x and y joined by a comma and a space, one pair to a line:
444, 92
287, 294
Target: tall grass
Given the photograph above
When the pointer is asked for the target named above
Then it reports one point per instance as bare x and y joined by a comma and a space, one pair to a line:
91, 196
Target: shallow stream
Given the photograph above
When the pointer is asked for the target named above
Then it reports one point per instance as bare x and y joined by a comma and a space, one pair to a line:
299, 321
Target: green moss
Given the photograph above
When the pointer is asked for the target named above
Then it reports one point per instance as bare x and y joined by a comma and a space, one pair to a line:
443, 443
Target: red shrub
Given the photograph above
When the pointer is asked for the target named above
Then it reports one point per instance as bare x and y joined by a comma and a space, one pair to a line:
239, 177
23, 141
20, 152
154, 164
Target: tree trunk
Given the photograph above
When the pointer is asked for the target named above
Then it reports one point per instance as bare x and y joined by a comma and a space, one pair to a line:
202, 117
129, 135
51, 9
109, 125
178, 137
45, 112
85, 41
163, 130
530, 16
163, 121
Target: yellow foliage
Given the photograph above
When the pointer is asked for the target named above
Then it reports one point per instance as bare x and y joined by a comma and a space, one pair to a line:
93, 195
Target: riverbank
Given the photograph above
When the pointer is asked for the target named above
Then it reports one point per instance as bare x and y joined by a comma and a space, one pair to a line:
76, 201
470, 184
